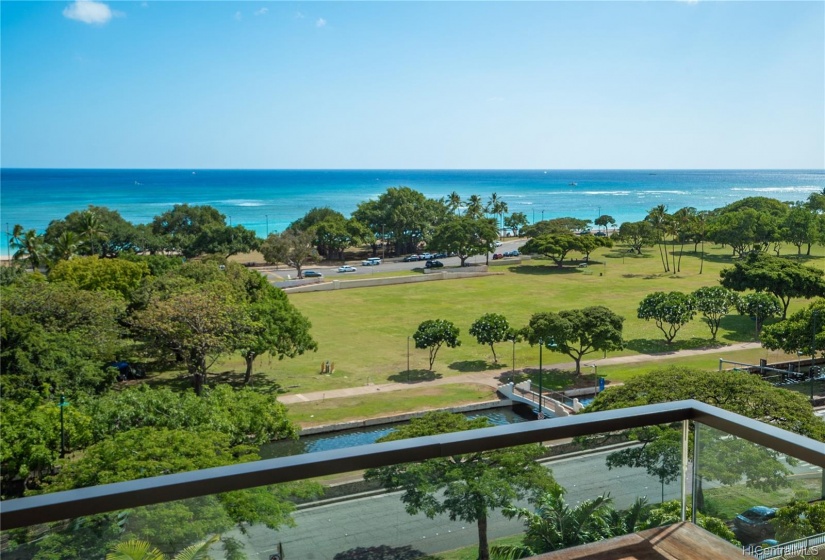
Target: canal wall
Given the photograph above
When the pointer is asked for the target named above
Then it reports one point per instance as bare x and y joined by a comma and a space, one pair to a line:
355, 424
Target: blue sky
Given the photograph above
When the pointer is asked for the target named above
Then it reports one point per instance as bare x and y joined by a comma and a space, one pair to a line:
413, 85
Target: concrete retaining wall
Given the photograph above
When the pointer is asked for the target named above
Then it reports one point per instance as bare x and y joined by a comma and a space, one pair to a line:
501, 403
390, 281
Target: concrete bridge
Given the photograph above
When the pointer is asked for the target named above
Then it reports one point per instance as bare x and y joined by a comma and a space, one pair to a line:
553, 404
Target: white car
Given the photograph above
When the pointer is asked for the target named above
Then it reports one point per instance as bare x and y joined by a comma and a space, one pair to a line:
499, 243
372, 261
347, 268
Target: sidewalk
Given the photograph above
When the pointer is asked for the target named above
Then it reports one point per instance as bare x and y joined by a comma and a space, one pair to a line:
491, 378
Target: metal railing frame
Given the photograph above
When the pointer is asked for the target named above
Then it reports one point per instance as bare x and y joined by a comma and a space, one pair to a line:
23, 512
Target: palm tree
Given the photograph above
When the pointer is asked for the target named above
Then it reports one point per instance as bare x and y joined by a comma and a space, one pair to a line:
497, 207
30, 246
684, 218
453, 201
141, 550
14, 236
66, 246
474, 207
658, 218
554, 525
92, 229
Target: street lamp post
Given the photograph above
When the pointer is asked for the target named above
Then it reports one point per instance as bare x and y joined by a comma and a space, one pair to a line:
542, 215
408, 358
513, 375
541, 393
814, 316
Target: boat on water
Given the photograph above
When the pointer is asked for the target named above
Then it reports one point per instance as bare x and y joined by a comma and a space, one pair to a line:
574, 184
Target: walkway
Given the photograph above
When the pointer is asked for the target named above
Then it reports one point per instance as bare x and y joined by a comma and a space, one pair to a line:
491, 378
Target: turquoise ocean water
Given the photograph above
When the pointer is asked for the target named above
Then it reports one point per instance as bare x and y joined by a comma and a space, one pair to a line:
271, 199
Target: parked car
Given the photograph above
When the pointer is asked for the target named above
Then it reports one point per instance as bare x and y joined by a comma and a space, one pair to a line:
755, 523
511, 253
312, 274
411, 258
426, 256
434, 264
372, 261
440, 256
499, 243
347, 268
497, 256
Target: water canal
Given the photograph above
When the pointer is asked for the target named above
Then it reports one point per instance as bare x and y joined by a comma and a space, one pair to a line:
367, 435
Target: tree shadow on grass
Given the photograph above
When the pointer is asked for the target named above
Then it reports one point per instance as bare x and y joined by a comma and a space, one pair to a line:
382, 552
473, 365
414, 376
542, 270
660, 346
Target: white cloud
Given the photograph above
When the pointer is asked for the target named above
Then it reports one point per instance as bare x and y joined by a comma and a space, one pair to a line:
261, 12
321, 22
238, 16
89, 11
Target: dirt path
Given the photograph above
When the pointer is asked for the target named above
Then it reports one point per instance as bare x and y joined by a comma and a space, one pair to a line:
491, 377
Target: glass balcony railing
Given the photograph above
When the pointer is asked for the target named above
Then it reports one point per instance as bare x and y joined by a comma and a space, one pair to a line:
711, 465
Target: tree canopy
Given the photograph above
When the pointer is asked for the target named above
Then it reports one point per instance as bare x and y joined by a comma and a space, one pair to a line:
781, 277
670, 311
464, 236
577, 332
466, 487
804, 331
434, 333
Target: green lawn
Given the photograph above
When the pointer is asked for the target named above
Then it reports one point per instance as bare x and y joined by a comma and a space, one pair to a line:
365, 331
384, 404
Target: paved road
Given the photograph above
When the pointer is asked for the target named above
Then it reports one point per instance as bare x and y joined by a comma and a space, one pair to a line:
324, 531
389, 265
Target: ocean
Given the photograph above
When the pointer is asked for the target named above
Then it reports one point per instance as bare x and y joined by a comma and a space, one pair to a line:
268, 200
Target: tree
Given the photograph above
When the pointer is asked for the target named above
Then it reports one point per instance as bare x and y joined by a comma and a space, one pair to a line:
403, 215
474, 207
724, 459
800, 227
291, 247
221, 240
489, 329
433, 333
553, 245
183, 224
553, 524
658, 219
759, 306
278, 328
497, 207
31, 247
589, 243
515, 222
196, 326
94, 273
604, 221
576, 332
660, 454
670, 513
804, 331
637, 234
714, 302
745, 230
65, 247
466, 487
58, 338
798, 520
670, 311
92, 229
147, 452
783, 278
464, 236
682, 223
134, 549
557, 225
104, 231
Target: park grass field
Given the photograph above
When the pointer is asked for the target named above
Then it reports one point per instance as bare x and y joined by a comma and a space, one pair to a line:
364, 332
346, 409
